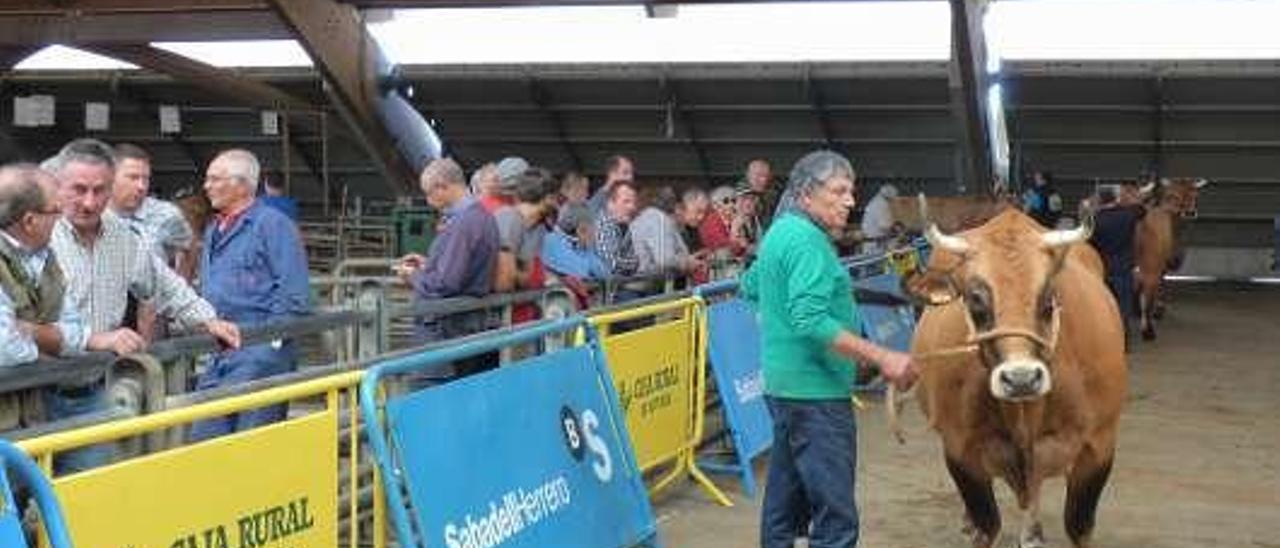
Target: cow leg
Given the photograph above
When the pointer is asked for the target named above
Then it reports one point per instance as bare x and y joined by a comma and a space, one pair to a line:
1157, 310
1145, 303
1084, 486
979, 502
1032, 534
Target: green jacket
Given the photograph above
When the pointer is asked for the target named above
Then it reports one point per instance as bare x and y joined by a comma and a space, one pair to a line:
35, 301
804, 298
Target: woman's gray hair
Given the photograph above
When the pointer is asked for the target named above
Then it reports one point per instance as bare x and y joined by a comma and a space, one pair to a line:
811, 172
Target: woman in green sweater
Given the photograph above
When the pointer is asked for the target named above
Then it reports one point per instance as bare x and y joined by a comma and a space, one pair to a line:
810, 352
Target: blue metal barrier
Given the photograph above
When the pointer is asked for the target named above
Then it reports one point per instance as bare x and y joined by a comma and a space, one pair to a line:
532, 454
21, 466
889, 324
733, 339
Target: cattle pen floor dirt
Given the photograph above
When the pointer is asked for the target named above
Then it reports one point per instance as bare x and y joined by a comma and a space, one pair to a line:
1198, 464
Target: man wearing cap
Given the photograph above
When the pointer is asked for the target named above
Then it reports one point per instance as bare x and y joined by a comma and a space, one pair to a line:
498, 185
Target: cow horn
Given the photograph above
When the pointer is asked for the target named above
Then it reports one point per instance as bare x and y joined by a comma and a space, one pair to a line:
1200, 183
937, 239
1061, 238
1147, 188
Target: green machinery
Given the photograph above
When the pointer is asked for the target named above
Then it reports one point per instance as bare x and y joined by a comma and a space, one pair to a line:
415, 227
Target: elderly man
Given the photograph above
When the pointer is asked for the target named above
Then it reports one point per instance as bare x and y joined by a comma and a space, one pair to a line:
106, 261
253, 269
810, 353
36, 317
657, 237
759, 180
460, 262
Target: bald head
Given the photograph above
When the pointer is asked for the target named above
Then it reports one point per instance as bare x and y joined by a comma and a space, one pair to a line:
27, 208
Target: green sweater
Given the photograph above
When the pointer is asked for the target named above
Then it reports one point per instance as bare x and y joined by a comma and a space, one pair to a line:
804, 297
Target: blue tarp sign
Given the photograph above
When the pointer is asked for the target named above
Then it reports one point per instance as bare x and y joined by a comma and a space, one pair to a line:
888, 325
531, 454
733, 338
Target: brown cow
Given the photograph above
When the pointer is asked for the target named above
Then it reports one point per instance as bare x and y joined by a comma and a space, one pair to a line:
1022, 370
951, 213
1156, 241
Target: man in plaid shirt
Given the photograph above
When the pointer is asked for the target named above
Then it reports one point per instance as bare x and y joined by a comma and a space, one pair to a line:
105, 260
613, 234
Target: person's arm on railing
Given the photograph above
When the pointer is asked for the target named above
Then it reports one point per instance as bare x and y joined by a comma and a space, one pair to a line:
66, 337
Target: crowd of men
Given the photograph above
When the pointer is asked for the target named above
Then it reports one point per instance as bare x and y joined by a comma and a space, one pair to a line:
512, 226
91, 262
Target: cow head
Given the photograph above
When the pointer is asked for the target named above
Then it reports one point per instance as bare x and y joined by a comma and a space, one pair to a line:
1003, 273
1181, 196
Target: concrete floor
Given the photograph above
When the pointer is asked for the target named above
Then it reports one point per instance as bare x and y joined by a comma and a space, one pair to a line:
1198, 464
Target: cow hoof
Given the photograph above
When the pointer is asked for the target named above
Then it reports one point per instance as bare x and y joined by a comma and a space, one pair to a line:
1033, 538
1149, 335
981, 540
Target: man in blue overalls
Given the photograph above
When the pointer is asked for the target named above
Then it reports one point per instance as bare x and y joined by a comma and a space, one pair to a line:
253, 269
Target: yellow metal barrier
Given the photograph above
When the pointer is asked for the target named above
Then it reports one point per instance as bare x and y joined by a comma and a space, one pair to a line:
660, 375
276, 485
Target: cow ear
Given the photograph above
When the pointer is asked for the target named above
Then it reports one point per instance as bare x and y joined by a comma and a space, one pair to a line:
930, 288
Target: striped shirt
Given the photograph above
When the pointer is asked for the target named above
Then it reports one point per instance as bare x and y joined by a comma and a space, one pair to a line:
613, 245
120, 263
163, 224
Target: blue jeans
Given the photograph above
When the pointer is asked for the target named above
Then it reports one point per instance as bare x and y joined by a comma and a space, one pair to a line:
61, 404
244, 365
811, 475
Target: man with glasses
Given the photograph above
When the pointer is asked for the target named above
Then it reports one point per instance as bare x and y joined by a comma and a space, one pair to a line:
35, 315
253, 269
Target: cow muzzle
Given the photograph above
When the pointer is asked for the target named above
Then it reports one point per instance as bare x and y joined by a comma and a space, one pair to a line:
1020, 380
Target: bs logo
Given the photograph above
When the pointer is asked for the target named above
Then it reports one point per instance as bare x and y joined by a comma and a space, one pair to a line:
580, 436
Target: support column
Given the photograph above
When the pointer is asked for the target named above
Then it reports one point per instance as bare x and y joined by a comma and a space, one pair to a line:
969, 83
352, 64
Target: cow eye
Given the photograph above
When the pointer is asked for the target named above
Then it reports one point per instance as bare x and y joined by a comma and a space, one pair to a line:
1047, 305
979, 304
